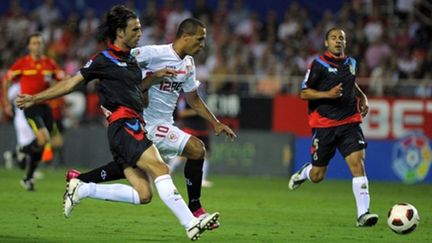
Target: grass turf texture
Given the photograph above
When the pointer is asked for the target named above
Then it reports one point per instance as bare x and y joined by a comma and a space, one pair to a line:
253, 209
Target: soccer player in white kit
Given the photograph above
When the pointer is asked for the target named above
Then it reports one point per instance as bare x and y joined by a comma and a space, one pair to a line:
162, 100
23, 132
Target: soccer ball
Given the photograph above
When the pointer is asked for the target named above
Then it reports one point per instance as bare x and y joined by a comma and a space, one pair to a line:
403, 218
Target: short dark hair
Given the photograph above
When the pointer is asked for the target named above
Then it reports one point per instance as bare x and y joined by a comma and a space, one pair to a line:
34, 34
189, 26
330, 30
116, 18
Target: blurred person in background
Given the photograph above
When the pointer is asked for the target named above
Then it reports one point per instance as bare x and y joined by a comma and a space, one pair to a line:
23, 132
336, 107
35, 72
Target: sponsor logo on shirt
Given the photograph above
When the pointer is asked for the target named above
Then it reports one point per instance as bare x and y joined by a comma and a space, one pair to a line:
88, 63
332, 70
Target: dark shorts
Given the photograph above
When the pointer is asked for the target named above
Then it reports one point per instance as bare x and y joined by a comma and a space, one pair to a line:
346, 138
127, 141
39, 116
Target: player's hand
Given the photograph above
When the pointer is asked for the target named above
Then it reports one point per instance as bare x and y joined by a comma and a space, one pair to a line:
24, 101
364, 106
7, 109
220, 127
163, 73
335, 92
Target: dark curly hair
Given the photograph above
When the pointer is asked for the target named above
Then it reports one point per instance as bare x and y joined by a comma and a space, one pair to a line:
116, 18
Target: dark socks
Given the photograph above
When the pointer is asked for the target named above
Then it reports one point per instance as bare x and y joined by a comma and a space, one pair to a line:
109, 172
35, 153
193, 174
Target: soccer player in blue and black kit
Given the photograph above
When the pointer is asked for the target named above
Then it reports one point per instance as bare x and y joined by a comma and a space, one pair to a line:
120, 87
336, 107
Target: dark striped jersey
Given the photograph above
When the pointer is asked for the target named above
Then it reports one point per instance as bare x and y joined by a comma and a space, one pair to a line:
119, 79
325, 72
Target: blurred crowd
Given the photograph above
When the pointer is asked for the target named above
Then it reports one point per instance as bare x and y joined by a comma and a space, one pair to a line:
247, 53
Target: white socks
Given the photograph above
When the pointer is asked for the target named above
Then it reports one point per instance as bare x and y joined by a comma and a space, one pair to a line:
170, 196
305, 172
205, 169
109, 192
360, 188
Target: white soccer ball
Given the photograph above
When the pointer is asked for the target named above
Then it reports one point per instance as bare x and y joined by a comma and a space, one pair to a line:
403, 218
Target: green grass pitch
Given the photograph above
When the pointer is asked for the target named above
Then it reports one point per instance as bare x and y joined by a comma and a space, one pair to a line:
253, 209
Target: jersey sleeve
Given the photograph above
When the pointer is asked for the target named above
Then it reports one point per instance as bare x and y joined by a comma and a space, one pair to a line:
90, 70
14, 71
190, 83
143, 55
311, 77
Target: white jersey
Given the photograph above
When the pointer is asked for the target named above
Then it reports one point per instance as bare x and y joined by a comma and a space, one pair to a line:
24, 133
163, 97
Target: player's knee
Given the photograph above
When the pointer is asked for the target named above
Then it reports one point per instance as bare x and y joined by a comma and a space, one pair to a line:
198, 151
145, 198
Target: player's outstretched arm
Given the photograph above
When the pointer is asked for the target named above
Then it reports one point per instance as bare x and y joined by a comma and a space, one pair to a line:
59, 89
195, 101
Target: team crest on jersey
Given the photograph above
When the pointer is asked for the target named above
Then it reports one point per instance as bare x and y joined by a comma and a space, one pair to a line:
173, 136
352, 69
88, 63
135, 52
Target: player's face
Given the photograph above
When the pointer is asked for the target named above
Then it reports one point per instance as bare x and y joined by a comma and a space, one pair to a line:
132, 33
336, 42
196, 43
36, 46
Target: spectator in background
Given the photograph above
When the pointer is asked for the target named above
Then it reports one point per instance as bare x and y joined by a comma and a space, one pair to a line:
178, 14
201, 8
407, 64
237, 14
380, 78
149, 24
47, 13
375, 52
269, 84
164, 12
88, 25
373, 29
288, 27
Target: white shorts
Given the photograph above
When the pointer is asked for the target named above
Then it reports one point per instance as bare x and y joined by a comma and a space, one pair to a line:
24, 134
169, 139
